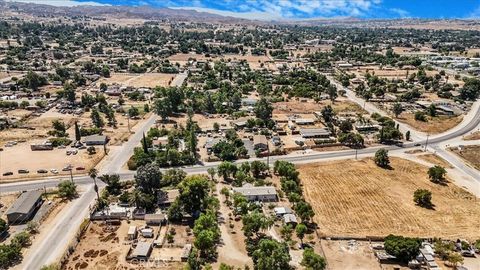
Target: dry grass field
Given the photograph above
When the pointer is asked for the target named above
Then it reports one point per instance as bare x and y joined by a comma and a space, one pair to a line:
297, 107
358, 199
470, 154
434, 125
434, 159
141, 80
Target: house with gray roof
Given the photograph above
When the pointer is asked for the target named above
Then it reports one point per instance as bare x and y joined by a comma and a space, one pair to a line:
24, 207
262, 193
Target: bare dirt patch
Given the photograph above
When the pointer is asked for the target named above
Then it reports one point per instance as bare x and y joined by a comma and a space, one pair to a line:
470, 154
357, 198
434, 125
340, 255
297, 107
473, 136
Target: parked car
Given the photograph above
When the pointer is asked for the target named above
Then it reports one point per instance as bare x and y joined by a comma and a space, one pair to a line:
7, 173
67, 168
417, 144
74, 151
80, 168
69, 152
23, 171
42, 171
54, 171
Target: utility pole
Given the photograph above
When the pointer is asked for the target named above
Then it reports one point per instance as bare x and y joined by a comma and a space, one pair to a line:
356, 154
71, 174
268, 156
426, 143
128, 122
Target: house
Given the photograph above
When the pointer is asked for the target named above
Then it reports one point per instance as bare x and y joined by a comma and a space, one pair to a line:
166, 198
24, 207
155, 219
315, 133
186, 252
160, 142
260, 142
290, 219
142, 250
362, 127
210, 143
281, 211
132, 233
261, 193
96, 140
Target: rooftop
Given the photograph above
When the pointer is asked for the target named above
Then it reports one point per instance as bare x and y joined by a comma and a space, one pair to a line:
25, 202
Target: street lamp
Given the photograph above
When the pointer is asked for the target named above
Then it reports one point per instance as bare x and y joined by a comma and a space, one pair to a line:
426, 143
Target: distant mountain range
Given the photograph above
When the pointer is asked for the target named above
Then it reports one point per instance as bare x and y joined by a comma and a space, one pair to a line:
152, 13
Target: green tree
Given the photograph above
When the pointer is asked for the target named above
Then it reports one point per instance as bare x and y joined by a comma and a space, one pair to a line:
263, 109
407, 135
328, 114
212, 172
133, 112
114, 186
226, 169
67, 189
78, 135
432, 110
194, 192
397, 109
381, 158
271, 255
3, 226
301, 230
258, 168
148, 178
312, 261
255, 222
437, 174
304, 211
423, 197
454, 258
96, 119
404, 248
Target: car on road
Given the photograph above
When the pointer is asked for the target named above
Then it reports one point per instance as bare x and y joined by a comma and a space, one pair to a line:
7, 173
42, 171
23, 171
417, 144
80, 168
54, 171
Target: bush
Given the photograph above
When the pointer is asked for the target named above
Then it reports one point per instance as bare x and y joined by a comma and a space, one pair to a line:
56, 142
423, 197
420, 116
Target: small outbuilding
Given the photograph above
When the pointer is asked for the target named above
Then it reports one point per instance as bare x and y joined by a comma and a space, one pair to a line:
142, 250
132, 233
96, 140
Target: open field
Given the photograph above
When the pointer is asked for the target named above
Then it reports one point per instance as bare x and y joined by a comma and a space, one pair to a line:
359, 199
139, 80
340, 255
434, 159
471, 154
434, 125
297, 107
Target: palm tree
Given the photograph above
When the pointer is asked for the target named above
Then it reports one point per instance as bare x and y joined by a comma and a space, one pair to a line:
136, 197
93, 174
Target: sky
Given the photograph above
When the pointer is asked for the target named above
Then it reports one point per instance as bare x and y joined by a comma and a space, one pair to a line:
305, 9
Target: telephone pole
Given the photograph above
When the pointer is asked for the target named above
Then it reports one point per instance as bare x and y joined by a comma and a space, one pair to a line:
426, 143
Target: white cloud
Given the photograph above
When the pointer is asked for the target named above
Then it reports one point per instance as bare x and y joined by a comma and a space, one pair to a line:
400, 12
253, 15
287, 9
62, 3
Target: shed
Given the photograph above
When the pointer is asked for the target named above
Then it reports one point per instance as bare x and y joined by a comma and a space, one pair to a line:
290, 219
315, 133
132, 232
147, 232
24, 207
166, 198
280, 211
142, 250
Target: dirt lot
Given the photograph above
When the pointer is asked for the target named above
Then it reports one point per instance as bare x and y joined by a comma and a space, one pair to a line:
357, 198
340, 255
140, 80
433, 125
470, 154
434, 159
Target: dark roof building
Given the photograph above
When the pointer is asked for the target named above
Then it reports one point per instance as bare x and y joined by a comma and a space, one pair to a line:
24, 207
96, 140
